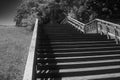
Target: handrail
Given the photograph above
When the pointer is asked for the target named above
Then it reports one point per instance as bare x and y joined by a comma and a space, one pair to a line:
110, 29
91, 27
100, 26
107, 22
64, 21
76, 23
103, 21
28, 73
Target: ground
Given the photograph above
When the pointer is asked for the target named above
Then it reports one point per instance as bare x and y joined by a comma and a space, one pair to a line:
14, 46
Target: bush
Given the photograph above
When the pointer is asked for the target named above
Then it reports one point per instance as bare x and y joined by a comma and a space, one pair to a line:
26, 14
29, 22
29, 10
46, 11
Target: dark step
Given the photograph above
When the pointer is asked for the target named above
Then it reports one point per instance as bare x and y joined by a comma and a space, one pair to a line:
78, 59
74, 49
69, 40
82, 42
82, 45
76, 44
57, 26
74, 34
76, 54
55, 73
74, 66
61, 31
60, 28
113, 78
86, 49
57, 33
74, 37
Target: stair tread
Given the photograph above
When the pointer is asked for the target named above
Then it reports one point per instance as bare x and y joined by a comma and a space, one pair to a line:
75, 66
82, 42
107, 51
86, 69
77, 59
114, 76
82, 62
111, 76
79, 73
77, 48
82, 45
64, 53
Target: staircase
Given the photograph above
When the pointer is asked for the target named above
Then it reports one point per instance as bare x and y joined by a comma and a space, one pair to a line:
64, 53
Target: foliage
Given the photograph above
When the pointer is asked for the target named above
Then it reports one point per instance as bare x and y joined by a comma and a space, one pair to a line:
54, 10
105, 9
45, 10
87, 10
28, 11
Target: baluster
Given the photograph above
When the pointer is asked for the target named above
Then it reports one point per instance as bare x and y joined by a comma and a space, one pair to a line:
108, 30
92, 25
96, 26
79, 26
86, 28
100, 27
66, 20
89, 27
116, 35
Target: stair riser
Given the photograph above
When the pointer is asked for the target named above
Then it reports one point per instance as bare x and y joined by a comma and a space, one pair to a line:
53, 60
72, 34
82, 43
50, 55
53, 67
78, 38
67, 52
80, 46
69, 40
85, 49
55, 74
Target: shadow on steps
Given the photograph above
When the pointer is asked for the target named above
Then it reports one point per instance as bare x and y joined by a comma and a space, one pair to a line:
45, 57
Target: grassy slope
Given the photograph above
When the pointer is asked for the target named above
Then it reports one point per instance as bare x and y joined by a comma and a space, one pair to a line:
14, 45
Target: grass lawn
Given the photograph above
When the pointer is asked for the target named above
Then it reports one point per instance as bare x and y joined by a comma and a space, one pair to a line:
14, 45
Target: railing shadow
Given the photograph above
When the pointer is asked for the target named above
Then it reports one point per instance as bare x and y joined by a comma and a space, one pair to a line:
47, 68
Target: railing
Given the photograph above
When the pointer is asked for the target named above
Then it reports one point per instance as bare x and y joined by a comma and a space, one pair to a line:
110, 29
64, 21
96, 26
76, 24
91, 27
30, 68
